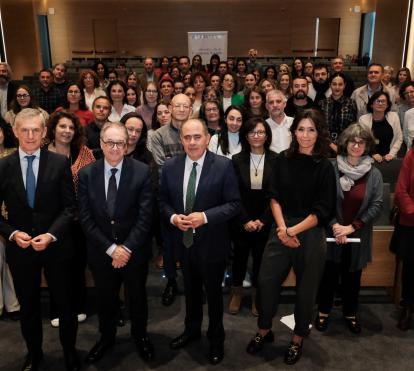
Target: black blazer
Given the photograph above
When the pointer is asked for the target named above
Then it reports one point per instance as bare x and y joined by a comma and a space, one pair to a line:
133, 210
217, 196
53, 210
255, 204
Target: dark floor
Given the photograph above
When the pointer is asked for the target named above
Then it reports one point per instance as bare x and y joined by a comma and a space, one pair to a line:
381, 346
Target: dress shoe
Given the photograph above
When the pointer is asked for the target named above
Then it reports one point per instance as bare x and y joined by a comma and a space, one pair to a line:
405, 318
293, 353
72, 361
216, 354
145, 348
256, 344
14, 316
33, 363
182, 340
99, 350
353, 324
321, 322
169, 293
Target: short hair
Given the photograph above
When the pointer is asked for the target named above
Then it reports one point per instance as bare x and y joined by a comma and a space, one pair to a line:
9, 70
389, 68
82, 103
29, 113
374, 97
83, 74
117, 125
374, 64
101, 97
9, 138
303, 77
276, 92
320, 66
184, 56
79, 137
404, 86
353, 131
321, 148
60, 64
142, 142
48, 70
120, 83
250, 125
203, 124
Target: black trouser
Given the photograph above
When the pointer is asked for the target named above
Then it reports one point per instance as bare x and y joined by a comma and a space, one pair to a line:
168, 253
407, 280
27, 278
108, 281
307, 261
350, 285
244, 242
198, 273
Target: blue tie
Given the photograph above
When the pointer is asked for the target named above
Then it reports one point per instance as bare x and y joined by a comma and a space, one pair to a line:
30, 181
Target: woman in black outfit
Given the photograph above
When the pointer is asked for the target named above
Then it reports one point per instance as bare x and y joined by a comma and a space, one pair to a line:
253, 166
302, 199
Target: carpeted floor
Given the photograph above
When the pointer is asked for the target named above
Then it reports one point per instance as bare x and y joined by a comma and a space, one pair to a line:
381, 346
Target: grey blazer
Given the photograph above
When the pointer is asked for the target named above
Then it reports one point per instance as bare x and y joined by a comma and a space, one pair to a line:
369, 210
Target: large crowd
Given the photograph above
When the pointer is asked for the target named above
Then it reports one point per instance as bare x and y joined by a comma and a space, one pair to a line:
211, 164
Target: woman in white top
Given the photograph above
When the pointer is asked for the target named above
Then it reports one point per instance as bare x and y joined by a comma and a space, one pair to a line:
117, 95
89, 82
227, 142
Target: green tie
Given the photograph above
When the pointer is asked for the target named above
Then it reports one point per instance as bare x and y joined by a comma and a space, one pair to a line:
189, 203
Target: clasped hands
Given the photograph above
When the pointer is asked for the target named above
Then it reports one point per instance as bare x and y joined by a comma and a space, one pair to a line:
341, 231
253, 226
378, 158
291, 241
120, 257
185, 222
39, 243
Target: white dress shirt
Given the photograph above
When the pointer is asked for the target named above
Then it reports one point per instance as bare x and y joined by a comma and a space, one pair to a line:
115, 116
281, 136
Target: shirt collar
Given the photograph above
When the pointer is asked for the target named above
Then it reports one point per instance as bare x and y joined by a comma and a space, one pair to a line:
200, 161
109, 167
23, 154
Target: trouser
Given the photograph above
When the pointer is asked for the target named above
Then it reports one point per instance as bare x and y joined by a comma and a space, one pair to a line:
8, 299
170, 268
407, 280
350, 285
307, 261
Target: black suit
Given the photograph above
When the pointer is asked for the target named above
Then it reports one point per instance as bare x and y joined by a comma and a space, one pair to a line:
53, 212
129, 226
204, 262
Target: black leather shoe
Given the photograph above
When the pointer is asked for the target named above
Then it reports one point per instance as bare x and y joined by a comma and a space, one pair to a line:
293, 353
14, 316
321, 323
33, 363
256, 344
216, 354
405, 318
182, 340
169, 294
72, 361
145, 348
353, 324
99, 350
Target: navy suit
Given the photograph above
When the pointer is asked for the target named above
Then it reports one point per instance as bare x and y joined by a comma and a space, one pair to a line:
204, 262
129, 226
53, 212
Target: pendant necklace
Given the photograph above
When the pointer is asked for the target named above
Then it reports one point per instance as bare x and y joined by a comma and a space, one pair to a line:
254, 165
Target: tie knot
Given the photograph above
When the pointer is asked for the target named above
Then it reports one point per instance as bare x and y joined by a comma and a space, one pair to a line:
30, 158
113, 171
194, 165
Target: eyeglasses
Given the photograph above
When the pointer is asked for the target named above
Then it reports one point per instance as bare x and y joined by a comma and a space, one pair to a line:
259, 134
151, 91
380, 101
358, 143
209, 110
22, 96
112, 144
74, 92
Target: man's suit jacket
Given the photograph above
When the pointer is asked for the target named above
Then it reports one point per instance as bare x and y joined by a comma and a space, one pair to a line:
217, 196
53, 209
133, 210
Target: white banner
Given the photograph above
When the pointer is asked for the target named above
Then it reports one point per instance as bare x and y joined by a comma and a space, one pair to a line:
207, 43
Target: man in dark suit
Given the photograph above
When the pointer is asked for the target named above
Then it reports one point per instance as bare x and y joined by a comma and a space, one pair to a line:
199, 195
37, 189
115, 204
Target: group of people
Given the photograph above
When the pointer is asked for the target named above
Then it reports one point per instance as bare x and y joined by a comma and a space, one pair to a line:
204, 169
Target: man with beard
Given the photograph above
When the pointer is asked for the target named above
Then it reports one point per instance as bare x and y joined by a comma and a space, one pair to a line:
7, 88
320, 89
299, 101
46, 94
59, 78
278, 121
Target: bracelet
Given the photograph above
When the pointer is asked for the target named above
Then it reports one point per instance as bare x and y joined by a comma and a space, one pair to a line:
287, 234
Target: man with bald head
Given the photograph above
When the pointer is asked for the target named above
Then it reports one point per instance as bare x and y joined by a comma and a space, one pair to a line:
149, 74
198, 196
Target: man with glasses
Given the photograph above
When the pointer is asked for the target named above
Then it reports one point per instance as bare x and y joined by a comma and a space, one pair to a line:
374, 84
278, 121
115, 207
199, 195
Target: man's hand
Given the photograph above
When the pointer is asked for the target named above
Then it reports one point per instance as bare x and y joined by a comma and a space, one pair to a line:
120, 257
22, 239
250, 226
40, 242
181, 222
196, 219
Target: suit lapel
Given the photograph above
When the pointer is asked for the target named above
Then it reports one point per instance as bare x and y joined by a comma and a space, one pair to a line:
125, 179
98, 179
180, 182
18, 177
202, 188
43, 160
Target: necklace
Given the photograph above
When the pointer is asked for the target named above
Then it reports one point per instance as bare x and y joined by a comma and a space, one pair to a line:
258, 164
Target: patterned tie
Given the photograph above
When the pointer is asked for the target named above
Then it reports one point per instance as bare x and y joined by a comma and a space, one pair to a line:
30, 181
189, 203
111, 195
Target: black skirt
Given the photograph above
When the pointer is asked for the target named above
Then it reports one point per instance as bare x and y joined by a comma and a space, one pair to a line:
402, 242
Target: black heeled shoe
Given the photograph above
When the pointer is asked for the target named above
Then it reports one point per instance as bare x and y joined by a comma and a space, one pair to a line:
293, 353
353, 324
321, 323
256, 344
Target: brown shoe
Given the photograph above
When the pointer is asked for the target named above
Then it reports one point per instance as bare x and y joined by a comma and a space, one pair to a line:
235, 300
255, 312
405, 318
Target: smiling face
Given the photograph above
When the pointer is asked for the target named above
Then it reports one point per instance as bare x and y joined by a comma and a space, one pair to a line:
30, 132
212, 112
234, 121
355, 148
64, 131
163, 114
194, 139
131, 97
74, 94
249, 81
306, 136
134, 128
255, 100
132, 81
117, 93
337, 87
199, 84
113, 144
23, 98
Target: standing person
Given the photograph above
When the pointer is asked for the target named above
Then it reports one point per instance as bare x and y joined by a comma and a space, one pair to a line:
284, 84
7, 87
101, 108
297, 68
337, 66
253, 166
148, 75
37, 189
302, 199
89, 82
402, 240
115, 207
358, 202
197, 218
229, 88
254, 103
59, 78
212, 115
117, 92
46, 94
299, 100
102, 72
150, 98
